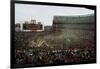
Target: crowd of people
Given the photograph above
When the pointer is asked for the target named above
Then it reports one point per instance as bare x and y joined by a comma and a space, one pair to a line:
75, 46
43, 57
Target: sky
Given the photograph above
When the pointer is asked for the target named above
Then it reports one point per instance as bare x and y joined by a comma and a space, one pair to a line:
45, 13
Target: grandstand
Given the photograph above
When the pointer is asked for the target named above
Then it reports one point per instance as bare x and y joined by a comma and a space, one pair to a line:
73, 22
